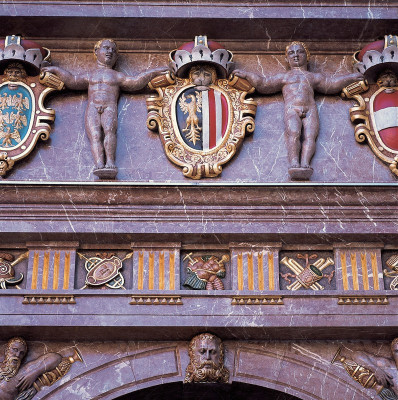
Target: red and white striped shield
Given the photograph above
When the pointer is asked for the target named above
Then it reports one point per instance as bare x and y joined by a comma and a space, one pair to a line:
202, 118
385, 118
214, 118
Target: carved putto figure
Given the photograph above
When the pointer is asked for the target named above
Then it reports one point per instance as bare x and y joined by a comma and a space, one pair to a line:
206, 354
301, 114
104, 85
23, 382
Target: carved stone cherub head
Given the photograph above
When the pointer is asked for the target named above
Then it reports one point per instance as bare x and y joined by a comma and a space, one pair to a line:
106, 52
14, 354
297, 54
394, 350
206, 353
202, 76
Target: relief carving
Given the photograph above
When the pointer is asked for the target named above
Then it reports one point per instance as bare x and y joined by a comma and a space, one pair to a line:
7, 272
201, 116
373, 371
206, 272
392, 271
306, 277
104, 85
301, 114
206, 360
23, 382
104, 270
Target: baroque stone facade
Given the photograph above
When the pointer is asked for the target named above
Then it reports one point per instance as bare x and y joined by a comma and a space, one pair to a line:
111, 276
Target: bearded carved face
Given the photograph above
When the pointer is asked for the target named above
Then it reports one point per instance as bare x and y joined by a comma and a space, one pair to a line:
202, 76
206, 354
15, 352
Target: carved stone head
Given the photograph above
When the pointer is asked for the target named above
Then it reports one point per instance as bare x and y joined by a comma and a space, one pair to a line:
15, 72
297, 54
15, 352
202, 75
6, 163
206, 353
106, 52
388, 79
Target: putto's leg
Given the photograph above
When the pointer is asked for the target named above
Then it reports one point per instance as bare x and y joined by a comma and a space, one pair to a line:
94, 133
311, 130
293, 126
109, 125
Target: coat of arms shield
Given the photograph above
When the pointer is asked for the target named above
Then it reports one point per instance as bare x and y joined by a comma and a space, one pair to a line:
201, 116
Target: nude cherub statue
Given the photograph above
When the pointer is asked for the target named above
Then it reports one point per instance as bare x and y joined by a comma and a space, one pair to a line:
104, 85
301, 114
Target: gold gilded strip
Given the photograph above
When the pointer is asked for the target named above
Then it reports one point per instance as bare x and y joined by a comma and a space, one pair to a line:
271, 268
343, 258
240, 271
65, 285
161, 270
373, 259
260, 271
250, 280
35, 271
140, 270
354, 269
172, 270
365, 276
151, 268
46, 268
56, 270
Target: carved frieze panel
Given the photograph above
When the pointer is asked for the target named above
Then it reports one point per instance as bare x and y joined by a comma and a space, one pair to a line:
390, 269
307, 270
205, 270
103, 270
13, 267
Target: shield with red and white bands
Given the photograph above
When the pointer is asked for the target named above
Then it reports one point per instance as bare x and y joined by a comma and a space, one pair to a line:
385, 118
202, 118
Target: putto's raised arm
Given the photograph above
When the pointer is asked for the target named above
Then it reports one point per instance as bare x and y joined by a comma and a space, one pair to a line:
74, 82
263, 84
132, 84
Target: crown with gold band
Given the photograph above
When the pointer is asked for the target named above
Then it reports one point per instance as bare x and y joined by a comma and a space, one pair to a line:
29, 53
201, 51
377, 56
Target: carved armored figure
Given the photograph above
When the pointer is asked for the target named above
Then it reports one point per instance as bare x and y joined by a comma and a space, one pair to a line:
104, 85
301, 114
205, 272
22, 383
206, 354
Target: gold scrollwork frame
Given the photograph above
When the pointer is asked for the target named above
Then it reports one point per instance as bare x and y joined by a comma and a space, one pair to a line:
198, 164
363, 116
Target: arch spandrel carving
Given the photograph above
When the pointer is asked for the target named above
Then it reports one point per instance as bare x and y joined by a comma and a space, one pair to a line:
285, 367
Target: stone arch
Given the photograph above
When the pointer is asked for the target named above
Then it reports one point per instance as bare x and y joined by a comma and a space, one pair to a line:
254, 364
